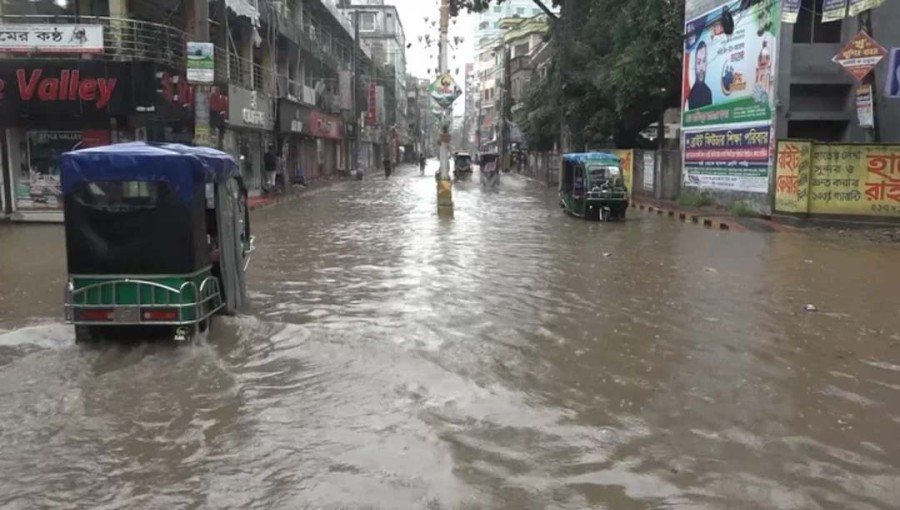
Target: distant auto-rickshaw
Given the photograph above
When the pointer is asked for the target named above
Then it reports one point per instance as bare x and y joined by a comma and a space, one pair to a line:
462, 166
157, 238
591, 186
489, 169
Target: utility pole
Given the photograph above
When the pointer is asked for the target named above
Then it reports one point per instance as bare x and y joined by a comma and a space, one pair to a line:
201, 92
873, 134
354, 80
444, 186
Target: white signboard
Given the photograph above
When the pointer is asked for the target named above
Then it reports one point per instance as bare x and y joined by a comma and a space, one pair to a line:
29, 38
201, 66
649, 165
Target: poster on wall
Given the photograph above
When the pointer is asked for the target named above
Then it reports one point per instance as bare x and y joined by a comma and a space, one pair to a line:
734, 159
729, 78
833, 10
728, 99
649, 168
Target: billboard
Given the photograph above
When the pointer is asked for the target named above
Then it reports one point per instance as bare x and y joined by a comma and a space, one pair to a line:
728, 95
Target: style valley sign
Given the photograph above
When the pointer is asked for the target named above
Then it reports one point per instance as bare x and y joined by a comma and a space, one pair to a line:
62, 90
249, 108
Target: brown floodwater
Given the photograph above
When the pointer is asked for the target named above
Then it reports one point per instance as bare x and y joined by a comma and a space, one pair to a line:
512, 358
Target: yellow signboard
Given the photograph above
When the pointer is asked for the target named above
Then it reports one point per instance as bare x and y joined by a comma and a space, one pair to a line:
847, 179
792, 184
627, 157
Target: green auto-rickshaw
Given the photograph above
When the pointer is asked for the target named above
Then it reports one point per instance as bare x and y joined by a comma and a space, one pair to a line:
591, 186
157, 239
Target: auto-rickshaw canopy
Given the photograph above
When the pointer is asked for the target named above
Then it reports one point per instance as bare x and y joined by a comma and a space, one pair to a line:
179, 166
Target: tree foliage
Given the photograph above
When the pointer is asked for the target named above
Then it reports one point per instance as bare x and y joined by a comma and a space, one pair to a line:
617, 67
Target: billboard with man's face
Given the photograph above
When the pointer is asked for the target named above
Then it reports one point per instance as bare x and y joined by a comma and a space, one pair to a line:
728, 97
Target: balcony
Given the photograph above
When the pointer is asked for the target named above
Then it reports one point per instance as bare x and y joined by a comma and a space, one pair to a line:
123, 40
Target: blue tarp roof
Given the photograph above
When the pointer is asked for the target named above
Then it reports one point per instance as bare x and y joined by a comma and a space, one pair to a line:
590, 156
180, 166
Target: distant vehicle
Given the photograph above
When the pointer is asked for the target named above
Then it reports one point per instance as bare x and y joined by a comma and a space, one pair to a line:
591, 186
157, 238
489, 169
462, 166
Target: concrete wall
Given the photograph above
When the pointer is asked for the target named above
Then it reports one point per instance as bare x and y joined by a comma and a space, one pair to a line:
810, 64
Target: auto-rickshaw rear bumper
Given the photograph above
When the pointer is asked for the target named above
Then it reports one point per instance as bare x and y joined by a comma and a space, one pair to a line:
149, 304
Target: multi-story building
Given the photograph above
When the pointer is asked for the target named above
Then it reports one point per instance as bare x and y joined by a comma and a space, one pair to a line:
487, 33
381, 34
79, 74
470, 116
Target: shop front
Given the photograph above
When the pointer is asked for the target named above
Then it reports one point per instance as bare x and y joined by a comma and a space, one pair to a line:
328, 130
250, 125
47, 108
296, 142
312, 140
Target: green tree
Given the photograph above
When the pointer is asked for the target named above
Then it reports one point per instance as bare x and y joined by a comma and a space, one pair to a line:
617, 67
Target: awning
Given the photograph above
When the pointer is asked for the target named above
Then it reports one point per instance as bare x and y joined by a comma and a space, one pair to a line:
244, 8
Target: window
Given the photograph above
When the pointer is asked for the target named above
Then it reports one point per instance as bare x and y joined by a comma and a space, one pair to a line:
520, 49
535, 12
520, 11
390, 26
497, 24
497, 8
367, 22
119, 196
809, 27
484, 25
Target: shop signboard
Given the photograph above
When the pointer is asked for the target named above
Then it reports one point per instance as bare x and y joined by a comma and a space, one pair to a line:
250, 109
293, 118
444, 90
372, 112
728, 99
162, 92
325, 126
860, 55
37, 38
52, 89
833, 10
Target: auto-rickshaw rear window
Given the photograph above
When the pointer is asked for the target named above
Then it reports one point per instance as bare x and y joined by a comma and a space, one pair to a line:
120, 195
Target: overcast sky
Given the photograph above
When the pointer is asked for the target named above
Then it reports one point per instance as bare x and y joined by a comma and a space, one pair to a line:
419, 59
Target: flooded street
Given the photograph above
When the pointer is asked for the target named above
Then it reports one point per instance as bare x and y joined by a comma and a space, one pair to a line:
512, 358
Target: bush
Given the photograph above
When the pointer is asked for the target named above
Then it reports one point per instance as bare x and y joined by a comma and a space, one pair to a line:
693, 200
741, 209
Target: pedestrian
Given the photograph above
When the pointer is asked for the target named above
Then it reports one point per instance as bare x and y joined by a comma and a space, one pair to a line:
270, 161
421, 163
387, 166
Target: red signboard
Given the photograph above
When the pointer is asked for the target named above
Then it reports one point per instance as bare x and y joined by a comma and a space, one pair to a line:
860, 55
372, 113
324, 126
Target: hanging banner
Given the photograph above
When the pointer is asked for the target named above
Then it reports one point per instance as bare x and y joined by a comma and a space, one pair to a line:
790, 10
864, 109
859, 6
860, 55
833, 10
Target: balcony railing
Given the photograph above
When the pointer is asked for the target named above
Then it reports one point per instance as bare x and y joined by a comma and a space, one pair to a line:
123, 39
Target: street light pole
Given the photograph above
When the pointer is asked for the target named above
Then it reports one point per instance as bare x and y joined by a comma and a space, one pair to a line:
444, 186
